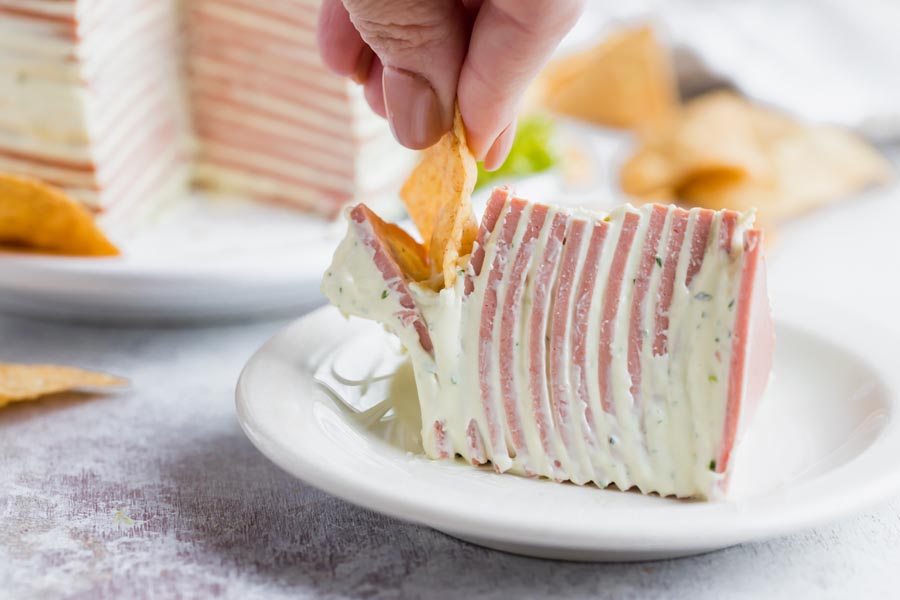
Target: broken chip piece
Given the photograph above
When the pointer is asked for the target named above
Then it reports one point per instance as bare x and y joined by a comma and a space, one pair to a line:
29, 382
40, 218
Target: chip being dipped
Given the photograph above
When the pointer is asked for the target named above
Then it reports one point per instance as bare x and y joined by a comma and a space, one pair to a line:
438, 198
627, 348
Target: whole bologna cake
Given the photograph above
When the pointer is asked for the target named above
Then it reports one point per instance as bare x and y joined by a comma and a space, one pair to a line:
625, 349
127, 103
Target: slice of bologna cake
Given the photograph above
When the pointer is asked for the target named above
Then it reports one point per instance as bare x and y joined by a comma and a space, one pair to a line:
624, 349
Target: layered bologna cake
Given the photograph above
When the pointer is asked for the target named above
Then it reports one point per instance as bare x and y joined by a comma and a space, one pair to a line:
625, 349
104, 98
271, 121
90, 100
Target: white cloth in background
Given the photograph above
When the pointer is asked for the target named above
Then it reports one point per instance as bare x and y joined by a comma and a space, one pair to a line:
832, 61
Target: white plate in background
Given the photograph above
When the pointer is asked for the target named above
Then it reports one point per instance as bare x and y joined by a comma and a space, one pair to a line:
213, 259
824, 445
216, 259
203, 260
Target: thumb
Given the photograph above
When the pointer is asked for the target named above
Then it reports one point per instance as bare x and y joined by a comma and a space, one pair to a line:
422, 44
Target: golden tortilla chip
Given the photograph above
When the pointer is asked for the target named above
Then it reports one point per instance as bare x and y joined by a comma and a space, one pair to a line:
648, 171
626, 81
28, 382
724, 152
767, 125
41, 218
410, 255
723, 191
438, 196
817, 166
713, 135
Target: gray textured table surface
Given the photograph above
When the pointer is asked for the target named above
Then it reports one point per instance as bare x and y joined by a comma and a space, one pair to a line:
156, 493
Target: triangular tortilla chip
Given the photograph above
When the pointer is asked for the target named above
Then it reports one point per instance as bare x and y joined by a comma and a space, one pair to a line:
29, 382
41, 218
721, 151
438, 196
626, 81
819, 165
714, 135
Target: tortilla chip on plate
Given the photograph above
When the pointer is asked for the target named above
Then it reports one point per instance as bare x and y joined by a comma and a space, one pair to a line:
37, 217
721, 151
626, 81
713, 135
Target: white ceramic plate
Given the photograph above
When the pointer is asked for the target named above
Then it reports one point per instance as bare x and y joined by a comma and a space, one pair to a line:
202, 260
824, 444
214, 259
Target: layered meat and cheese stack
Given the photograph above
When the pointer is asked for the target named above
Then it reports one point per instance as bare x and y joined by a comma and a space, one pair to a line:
90, 100
95, 97
625, 349
271, 121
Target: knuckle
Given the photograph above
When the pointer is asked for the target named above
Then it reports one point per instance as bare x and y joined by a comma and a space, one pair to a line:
399, 26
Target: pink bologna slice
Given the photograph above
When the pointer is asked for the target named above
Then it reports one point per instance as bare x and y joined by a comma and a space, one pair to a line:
753, 340
560, 400
369, 229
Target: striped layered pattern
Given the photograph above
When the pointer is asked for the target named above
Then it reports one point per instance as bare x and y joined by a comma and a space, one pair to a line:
271, 121
90, 100
126, 103
626, 349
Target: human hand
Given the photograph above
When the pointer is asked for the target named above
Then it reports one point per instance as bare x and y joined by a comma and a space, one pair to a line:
416, 58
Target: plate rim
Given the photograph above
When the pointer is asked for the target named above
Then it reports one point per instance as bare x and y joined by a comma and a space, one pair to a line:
788, 519
222, 279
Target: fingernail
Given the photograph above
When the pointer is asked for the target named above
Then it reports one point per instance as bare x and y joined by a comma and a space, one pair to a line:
496, 156
363, 66
412, 108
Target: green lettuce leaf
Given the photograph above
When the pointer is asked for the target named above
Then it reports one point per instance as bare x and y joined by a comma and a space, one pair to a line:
532, 152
